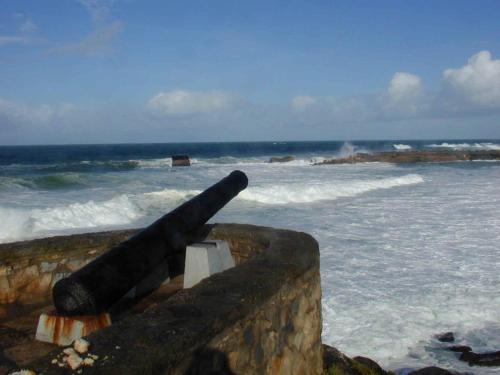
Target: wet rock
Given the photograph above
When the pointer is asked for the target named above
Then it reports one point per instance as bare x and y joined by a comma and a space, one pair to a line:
335, 362
180, 161
460, 348
418, 156
370, 364
446, 337
433, 370
490, 359
282, 159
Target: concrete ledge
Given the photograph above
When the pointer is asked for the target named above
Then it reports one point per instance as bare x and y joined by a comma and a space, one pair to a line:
262, 316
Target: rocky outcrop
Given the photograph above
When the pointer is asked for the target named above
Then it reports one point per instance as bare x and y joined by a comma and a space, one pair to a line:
446, 337
337, 363
489, 359
417, 157
281, 159
180, 161
433, 370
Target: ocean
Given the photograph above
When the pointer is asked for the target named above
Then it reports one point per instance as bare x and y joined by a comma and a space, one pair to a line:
407, 251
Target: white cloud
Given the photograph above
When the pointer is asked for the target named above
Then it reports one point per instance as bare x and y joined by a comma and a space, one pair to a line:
404, 86
189, 102
302, 103
103, 33
96, 43
22, 113
478, 81
7, 39
27, 26
98, 9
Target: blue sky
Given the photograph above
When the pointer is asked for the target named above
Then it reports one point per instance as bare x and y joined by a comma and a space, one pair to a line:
86, 71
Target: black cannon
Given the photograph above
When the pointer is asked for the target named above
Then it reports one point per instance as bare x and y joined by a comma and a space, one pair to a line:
94, 288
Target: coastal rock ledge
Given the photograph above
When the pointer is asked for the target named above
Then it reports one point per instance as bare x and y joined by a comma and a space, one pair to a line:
399, 157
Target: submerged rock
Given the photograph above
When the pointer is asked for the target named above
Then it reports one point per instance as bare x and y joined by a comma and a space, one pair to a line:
489, 359
460, 348
446, 337
433, 370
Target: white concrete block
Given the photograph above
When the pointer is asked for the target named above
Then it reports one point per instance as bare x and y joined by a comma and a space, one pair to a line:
63, 330
204, 259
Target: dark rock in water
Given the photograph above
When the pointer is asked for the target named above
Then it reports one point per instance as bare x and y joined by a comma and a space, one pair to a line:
180, 161
283, 159
398, 157
481, 359
334, 362
460, 348
332, 358
433, 370
446, 337
371, 364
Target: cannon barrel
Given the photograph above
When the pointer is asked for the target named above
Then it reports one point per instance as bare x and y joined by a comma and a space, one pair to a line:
95, 287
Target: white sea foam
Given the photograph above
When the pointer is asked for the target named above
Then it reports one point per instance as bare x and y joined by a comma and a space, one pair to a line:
164, 199
307, 193
27, 223
319, 159
153, 163
232, 160
116, 211
294, 163
401, 147
16, 224
463, 146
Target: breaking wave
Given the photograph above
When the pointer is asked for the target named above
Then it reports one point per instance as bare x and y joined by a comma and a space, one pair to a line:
153, 163
125, 209
401, 147
306, 193
463, 146
27, 223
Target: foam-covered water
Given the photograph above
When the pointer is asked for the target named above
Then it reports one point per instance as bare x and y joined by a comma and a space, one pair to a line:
467, 146
406, 251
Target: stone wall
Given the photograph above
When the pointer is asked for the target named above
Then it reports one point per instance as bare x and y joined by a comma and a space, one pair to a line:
262, 316
282, 337
29, 269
